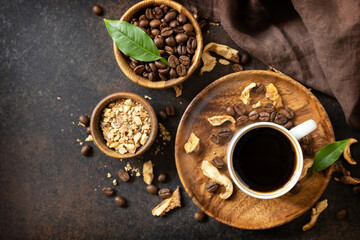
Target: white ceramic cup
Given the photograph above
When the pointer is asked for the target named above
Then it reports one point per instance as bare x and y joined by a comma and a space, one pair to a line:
293, 135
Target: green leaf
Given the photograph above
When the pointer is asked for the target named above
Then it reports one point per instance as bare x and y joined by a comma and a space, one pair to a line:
328, 155
133, 41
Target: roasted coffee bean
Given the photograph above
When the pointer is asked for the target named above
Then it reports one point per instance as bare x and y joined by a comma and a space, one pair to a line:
153, 67
280, 119
203, 23
237, 67
288, 125
132, 65
190, 50
240, 109
259, 88
341, 214
244, 58
163, 25
212, 187
155, 23
145, 74
159, 41
142, 17
170, 110
136, 23
224, 132
308, 150
162, 115
182, 18
306, 140
264, 116
181, 50
289, 113
215, 138
184, 60
167, 31
123, 175
88, 130
179, 29
268, 107
242, 119
164, 193
84, 119
218, 162
181, 70
296, 189
169, 50
181, 38
191, 43
144, 23
164, 8
133, 20
139, 69
170, 16
152, 189
160, 65
253, 115
147, 67
135, 61
152, 76
174, 23
170, 41
200, 216
164, 70
173, 61
120, 201
356, 190
272, 116
97, 10
161, 178
173, 73
149, 13
163, 76
230, 111
158, 13
107, 191
155, 32
188, 27
86, 150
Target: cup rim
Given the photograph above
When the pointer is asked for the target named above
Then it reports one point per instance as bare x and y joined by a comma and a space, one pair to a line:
291, 182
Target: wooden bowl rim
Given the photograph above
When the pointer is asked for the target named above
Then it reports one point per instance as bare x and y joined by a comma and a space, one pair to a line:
196, 60
97, 133
200, 95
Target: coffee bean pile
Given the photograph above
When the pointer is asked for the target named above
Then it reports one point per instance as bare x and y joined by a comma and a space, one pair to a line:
168, 112
175, 38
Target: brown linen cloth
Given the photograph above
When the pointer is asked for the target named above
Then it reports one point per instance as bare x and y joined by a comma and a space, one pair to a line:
315, 42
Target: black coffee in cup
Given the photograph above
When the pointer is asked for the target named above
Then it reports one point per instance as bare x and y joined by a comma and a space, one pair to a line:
264, 159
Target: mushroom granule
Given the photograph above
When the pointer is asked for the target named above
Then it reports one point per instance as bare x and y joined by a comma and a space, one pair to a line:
125, 125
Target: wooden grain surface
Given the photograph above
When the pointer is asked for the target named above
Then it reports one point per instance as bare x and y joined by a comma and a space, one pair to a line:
241, 210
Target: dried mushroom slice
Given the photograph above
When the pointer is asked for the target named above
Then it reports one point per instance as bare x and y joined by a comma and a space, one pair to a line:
170, 203
347, 153
273, 94
315, 213
192, 144
215, 175
148, 174
219, 120
245, 94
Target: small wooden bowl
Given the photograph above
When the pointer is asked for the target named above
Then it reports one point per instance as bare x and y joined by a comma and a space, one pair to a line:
196, 59
97, 134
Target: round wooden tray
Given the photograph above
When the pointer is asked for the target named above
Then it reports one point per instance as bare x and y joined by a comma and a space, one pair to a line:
241, 210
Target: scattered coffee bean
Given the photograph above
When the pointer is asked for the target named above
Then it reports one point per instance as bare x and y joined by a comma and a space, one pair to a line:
264, 116
280, 119
212, 187
162, 115
268, 107
242, 119
259, 88
296, 189
200, 216
289, 113
164, 193
97, 10
88, 130
272, 116
107, 191
161, 178
288, 125
84, 119
240, 109
120, 201
215, 138
356, 190
341, 214
244, 58
230, 111
306, 140
123, 175
170, 110
86, 150
152, 189
253, 115
224, 132
237, 67
218, 162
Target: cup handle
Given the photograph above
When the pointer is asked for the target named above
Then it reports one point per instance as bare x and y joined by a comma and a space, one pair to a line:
303, 129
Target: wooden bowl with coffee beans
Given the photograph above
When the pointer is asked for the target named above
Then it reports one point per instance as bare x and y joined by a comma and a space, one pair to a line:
177, 36
123, 125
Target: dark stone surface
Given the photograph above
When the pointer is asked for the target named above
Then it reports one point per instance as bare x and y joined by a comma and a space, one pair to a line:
52, 49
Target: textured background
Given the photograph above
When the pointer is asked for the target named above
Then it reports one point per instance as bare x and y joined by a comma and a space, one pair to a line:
52, 49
